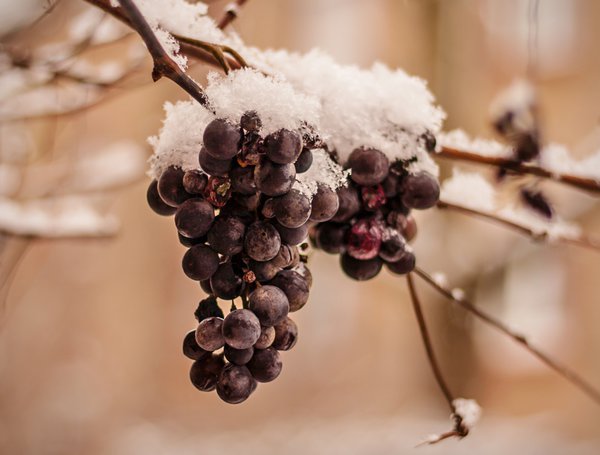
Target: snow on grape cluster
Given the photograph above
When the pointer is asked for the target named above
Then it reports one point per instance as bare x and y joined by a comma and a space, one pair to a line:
268, 164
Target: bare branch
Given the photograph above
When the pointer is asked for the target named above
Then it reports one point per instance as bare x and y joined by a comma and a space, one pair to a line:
581, 241
231, 13
565, 372
163, 63
516, 167
459, 429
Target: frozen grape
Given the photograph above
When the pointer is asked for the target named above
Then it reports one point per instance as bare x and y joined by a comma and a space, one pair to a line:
170, 186
283, 146
209, 334
218, 191
286, 335
369, 166
364, 239
325, 204
155, 201
404, 265
406, 224
292, 209
304, 161
194, 181
225, 283
238, 356
269, 304
226, 235
358, 269
265, 365
274, 179
392, 247
241, 329
194, 218
420, 191
222, 139
373, 197
235, 384
294, 287
267, 336
349, 204
191, 349
200, 262
205, 372
262, 241
331, 237
250, 121
213, 166
292, 236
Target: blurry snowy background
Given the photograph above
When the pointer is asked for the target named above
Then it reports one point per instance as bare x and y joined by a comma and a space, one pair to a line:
91, 329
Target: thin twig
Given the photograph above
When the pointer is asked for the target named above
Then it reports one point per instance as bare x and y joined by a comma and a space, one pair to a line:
459, 429
510, 165
231, 14
564, 371
581, 241
163, 63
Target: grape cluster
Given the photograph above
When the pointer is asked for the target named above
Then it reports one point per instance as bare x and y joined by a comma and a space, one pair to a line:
373, 225
243, 222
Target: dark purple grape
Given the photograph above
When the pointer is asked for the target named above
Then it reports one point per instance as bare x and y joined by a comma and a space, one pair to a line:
360, 270
209, 334
406, 224
420, 191
369, 166
393, 246
274, 179
205, 285
213, 166
286, 335
292, 236
235, 384
250, 121
267, 336
208, 308
349, 204
404, 265
292, 209
294, 287
155, 201
191, 349
373, 197
325, 204
264, 271
225, 283
242, 180
331, 237
194, 218
262, 241
205, 372
287, 257
268, 208
238, 356
364, 239
218, 191
265, 365
226, 235
194, 181
170, 186
241, 329
200, 262
269, 304
390, 186
303, 270
188, 242
283, 146
222, 139
304, 161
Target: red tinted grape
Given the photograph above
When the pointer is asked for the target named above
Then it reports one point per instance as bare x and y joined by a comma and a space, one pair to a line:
364, 239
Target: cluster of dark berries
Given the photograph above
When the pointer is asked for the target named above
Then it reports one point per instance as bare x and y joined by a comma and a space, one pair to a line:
243, 222
373, 225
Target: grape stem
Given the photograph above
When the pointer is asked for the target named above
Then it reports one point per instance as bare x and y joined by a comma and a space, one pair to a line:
581, 241
562, 370
164, 66
459, 430
231, 13
517, 167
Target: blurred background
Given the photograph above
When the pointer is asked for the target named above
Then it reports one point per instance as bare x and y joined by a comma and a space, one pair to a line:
91, 329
